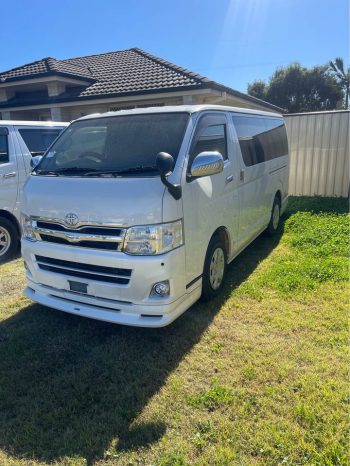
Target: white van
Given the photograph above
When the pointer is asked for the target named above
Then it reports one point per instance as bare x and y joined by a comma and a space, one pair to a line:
115, 232
19, 142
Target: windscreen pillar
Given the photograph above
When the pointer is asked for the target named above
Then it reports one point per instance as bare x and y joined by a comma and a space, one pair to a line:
56, 114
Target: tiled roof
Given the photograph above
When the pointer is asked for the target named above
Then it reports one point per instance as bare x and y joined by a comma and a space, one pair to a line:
46, 66
125, 72
131, 71
113, 73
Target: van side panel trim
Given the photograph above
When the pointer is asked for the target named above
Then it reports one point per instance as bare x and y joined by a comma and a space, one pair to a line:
192, 282
277, 169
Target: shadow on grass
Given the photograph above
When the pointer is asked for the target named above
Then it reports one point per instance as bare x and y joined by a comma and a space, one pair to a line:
70, 385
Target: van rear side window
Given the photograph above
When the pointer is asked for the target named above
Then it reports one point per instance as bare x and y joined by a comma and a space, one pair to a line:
38, 139
260, 139
4, 152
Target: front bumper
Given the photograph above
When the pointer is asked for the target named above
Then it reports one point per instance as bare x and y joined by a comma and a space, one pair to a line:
129, 304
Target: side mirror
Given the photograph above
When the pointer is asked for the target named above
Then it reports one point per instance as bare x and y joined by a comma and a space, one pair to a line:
165, 164
34, 161
206, 164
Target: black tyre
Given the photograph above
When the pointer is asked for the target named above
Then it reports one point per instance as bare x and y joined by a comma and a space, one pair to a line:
275, 217
8, 239
214, 272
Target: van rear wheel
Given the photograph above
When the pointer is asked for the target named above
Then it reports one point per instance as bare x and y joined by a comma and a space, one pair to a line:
275, 217
8, 239
214, 272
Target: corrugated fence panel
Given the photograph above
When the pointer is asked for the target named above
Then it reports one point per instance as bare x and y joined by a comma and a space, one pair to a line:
319, 153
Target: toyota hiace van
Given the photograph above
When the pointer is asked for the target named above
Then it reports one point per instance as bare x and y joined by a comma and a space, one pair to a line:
19, 142
132, 216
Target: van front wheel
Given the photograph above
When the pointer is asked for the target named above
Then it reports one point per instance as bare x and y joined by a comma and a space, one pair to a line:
214, 269
8, 239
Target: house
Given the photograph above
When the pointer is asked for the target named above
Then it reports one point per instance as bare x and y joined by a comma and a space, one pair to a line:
63, 90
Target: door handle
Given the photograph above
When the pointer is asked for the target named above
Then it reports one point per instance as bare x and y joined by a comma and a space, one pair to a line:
229, 179
241, 175
9, 175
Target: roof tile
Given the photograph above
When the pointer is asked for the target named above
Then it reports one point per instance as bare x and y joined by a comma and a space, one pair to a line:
122, 72
113, 73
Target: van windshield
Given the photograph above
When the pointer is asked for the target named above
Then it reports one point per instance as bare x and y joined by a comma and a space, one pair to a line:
115, 146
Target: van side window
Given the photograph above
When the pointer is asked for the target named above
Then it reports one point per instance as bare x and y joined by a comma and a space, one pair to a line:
275, 143
4, 151
260, 139
210, 135
38, 139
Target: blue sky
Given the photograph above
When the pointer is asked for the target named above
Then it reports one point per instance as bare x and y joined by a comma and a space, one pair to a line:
230, 41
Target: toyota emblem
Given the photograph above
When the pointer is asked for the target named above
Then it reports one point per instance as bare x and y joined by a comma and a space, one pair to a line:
71, 219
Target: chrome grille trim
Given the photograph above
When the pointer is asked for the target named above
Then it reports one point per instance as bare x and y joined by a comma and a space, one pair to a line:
79, 224
112, 235
74, 237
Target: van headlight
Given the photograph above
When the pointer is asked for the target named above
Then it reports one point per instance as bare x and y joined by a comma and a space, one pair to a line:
27, 227
153, 239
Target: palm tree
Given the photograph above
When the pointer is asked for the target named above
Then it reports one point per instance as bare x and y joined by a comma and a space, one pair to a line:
337, 69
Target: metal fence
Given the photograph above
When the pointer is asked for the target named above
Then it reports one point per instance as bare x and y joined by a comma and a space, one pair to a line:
319, 153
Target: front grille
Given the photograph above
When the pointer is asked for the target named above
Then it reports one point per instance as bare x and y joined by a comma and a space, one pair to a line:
85, 271
90, 230
85, 236
82, 244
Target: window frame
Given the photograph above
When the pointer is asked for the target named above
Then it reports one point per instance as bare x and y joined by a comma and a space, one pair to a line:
220, 119
144, 114
260, 117
5, 133
38, 129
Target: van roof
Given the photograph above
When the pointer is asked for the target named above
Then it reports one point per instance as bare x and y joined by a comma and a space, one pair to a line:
33, 123
180, 108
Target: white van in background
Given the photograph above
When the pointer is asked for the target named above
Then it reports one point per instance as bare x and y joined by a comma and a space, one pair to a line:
131, 216
19, 142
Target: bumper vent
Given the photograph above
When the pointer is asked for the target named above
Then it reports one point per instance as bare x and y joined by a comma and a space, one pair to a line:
84, 271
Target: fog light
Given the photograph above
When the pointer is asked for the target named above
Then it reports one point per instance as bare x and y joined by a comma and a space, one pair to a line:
161, 289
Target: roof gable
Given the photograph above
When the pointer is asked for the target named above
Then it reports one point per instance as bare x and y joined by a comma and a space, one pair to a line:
132, 70
45, 67
125, 72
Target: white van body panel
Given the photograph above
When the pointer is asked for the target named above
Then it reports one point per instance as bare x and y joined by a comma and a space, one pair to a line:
14, 173
237, 202
9, 173
98, 200
208, 204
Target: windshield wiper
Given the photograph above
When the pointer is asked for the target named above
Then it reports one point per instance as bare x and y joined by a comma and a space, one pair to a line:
124, 171
95, 172
64, 171
44, 172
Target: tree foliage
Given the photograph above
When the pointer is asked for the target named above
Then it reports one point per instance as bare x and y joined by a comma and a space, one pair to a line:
257, 89
300, 89
337, 69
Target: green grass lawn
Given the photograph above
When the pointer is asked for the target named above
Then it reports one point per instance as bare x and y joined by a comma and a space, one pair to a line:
257, 377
